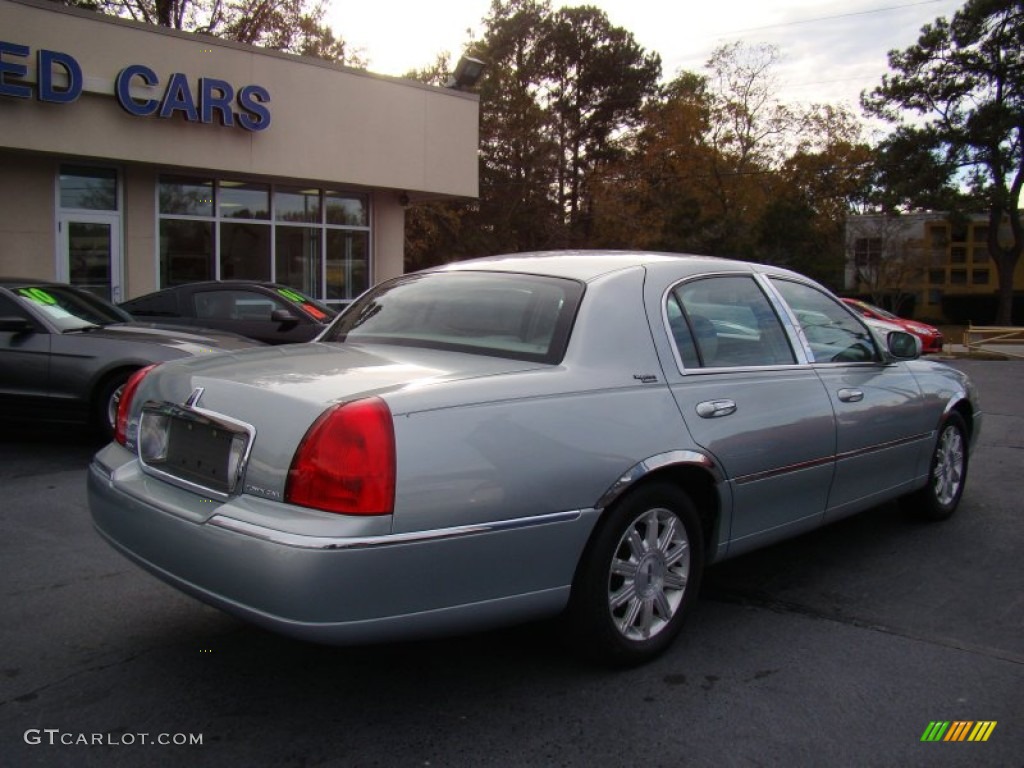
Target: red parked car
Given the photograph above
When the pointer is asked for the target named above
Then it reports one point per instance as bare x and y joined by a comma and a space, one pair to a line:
930, 336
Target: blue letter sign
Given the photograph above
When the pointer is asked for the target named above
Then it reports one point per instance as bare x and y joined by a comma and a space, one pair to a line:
213, 101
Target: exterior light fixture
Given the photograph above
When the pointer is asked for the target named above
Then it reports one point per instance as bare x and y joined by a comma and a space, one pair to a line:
467, 74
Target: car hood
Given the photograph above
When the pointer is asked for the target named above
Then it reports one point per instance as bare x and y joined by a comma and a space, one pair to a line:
171, 335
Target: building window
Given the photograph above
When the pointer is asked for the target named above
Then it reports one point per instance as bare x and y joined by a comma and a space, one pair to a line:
980, 234
186, 252
936, 276
958, 255
88, 189
314, 240
935, 296
867, 256
979, 277
348, 265
867, 252
958, 277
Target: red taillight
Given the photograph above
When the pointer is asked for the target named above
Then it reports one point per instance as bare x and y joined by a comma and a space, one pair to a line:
124, 405
346, 461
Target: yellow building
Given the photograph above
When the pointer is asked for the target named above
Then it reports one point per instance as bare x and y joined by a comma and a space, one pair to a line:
930, 258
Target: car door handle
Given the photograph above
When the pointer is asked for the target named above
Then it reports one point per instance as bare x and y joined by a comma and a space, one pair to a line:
714, 409
851, 395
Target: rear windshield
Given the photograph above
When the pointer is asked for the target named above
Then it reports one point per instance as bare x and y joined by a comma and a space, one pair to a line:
523, 317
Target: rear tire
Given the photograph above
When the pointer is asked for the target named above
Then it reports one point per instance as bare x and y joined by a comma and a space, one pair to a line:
638, 577
947, 473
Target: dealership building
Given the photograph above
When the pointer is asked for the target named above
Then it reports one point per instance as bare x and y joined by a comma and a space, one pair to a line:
133, 158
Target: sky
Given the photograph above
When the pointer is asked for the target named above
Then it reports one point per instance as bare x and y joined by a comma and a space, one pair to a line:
830, 50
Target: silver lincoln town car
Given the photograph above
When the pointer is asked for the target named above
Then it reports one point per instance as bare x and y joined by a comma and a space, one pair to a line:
510, 438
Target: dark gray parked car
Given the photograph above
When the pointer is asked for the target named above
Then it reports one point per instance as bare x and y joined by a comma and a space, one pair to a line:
65, 353
267, 312
517, 437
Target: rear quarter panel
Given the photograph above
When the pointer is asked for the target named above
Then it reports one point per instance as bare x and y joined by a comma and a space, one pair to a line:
542, 441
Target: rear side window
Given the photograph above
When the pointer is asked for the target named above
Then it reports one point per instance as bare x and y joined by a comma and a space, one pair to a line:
234, 305
523, 317
831, 332
725, 322
164, 304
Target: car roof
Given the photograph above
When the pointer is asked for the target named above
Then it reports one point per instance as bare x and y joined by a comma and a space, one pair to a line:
586, 265
224, 284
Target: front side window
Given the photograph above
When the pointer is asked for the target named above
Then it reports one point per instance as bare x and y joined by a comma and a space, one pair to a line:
523, 317
831, 332
725, 322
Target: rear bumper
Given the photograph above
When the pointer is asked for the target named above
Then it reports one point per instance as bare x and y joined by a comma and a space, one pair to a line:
345, 590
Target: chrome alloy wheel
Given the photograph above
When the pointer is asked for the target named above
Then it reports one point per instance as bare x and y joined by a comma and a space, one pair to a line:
112, 405
648, 575
949, 465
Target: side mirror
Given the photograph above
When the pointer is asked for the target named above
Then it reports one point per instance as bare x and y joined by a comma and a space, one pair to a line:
14, 324
903, 346
284, 317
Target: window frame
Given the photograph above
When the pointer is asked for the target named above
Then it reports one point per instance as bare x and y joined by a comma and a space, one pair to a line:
880, 356
322, 227
773, 300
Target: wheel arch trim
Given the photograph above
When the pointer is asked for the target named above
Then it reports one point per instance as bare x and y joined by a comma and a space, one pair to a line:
643, 469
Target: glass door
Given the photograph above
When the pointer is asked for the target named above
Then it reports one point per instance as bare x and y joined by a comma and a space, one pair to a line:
90, 255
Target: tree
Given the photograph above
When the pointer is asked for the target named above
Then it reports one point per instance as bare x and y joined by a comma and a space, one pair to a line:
596, 78
957, 97
295, 26
826, 175
653, 195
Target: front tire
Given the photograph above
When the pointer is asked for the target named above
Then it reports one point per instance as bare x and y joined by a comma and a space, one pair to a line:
947, 473
639, 575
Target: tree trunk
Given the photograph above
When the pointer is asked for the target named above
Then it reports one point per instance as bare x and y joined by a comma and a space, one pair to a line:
1006, 264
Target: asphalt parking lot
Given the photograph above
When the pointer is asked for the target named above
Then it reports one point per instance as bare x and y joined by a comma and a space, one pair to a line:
836, 648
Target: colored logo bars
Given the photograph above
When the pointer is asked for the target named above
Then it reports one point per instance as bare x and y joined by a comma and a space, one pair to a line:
958, 730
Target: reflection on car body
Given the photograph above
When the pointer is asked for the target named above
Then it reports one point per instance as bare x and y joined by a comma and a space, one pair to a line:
523, 436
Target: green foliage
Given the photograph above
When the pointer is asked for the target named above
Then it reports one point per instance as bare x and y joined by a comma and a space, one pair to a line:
295, 26
957, 96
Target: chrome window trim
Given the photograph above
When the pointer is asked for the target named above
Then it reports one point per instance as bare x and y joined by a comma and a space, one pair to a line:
798, 351
301, 541
189, 411
881, 354
790, 324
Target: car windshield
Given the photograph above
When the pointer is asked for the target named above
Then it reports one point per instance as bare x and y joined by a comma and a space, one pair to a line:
319, 312
882, 312
523, 317
70, 309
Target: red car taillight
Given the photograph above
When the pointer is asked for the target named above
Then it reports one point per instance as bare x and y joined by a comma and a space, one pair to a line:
346, 461
124, 405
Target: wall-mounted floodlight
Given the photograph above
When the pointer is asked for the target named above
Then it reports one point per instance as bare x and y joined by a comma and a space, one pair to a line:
467, 74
